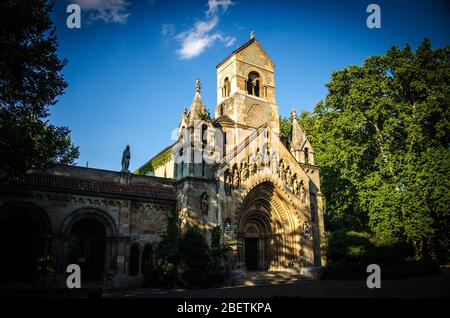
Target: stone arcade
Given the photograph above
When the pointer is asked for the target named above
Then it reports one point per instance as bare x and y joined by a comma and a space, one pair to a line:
234, 171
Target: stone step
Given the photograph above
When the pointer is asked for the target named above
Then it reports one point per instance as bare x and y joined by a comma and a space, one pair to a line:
266, 278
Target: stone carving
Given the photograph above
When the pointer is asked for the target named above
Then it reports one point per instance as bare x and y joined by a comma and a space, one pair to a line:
251, 163
244, 171
305, 231
275, 163
285, 169
295, 184
126, 156
281, 169
204, 204
302, 192
288, 177
236, 177
227, 225
198, 86
258, 161
227, 182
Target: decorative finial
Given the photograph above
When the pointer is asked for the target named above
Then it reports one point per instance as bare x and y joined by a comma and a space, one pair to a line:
293, 114
252, 35
198, 86
185, 111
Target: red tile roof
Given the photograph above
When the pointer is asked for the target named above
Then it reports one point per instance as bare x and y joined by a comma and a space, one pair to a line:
141, 190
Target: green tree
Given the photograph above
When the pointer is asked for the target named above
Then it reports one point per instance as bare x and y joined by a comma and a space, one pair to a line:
195, 262
165, 270
381, 137
30, 81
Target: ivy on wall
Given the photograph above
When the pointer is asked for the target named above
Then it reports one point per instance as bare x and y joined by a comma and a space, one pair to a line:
154, 163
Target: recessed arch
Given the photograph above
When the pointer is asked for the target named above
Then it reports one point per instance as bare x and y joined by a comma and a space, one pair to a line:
32, 210
90, 212
275, 243
25, 231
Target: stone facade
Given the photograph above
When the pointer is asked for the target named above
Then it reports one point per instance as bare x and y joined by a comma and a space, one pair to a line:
232, 171
263, 192
102, 220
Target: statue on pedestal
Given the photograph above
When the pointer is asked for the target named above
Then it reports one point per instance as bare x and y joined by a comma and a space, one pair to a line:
281, 170
295, 185
258, 161
236, 178
275, 163
244, 169
302, 192
126, 156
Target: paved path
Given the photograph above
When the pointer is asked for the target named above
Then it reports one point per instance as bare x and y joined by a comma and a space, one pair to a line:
431, 286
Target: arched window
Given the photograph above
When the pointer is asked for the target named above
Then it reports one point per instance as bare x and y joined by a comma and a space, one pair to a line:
253, 83
306, 155
226, 88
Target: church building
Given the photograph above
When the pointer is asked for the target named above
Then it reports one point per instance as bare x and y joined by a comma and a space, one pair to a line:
236, 171
233, 171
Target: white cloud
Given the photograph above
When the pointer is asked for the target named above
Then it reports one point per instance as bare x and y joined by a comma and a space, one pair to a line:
215, 5
105, 10
202, 35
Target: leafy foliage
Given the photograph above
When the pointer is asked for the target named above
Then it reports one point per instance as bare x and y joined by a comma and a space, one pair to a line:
154, 163
195, 261
30, 81
186, 260
349, 253
381, 138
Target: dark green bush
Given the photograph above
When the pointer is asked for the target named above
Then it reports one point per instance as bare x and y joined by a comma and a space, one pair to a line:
186, 261
349, 254
195, 262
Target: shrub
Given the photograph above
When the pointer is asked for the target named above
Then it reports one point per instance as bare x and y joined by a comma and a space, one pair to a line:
349, 254
195, 263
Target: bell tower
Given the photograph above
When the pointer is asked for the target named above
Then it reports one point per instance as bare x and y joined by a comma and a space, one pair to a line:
246, 87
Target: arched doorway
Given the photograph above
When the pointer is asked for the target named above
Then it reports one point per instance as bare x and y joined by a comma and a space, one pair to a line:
88, 248
23, 232
267, 230
134, 260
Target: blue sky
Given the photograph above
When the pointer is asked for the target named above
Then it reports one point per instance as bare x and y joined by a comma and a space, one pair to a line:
132, 65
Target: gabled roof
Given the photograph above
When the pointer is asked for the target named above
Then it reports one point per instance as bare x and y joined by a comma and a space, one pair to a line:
243, 47
223, 119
